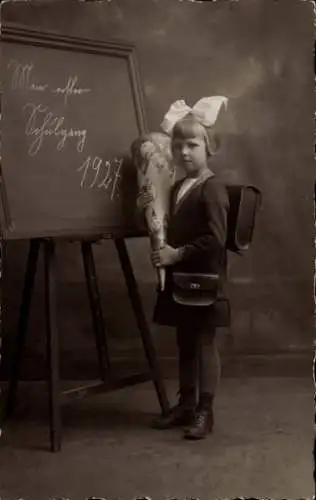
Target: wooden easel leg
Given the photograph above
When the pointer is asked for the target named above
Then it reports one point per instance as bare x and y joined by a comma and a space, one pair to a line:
142, 323
22, 326
96, 309
52, 345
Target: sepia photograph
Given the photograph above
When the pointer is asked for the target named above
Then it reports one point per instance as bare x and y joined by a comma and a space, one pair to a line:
157, 253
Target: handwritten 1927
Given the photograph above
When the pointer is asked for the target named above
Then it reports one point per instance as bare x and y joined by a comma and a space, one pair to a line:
101, 174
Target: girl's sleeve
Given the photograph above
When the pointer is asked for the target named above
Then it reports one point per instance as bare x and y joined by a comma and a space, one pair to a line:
216, 205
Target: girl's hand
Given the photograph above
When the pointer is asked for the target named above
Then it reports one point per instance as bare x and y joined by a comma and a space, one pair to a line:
166, 256
144, 198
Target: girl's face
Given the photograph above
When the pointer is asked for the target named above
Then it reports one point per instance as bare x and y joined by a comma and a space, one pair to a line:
189, 148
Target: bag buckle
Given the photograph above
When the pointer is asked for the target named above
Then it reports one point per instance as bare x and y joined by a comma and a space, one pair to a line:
194, 286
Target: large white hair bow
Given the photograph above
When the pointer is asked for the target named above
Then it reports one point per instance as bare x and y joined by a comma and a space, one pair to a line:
205, 111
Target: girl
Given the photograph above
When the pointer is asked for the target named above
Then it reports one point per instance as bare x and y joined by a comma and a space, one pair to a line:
196, 238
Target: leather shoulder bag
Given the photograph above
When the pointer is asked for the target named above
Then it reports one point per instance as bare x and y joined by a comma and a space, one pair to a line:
195, 289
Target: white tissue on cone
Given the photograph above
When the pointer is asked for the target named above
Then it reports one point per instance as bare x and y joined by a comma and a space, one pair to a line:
156, 173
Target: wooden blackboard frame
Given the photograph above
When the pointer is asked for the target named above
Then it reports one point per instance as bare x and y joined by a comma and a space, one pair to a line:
20, 34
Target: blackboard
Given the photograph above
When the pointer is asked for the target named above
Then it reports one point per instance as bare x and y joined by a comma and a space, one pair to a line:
70, 110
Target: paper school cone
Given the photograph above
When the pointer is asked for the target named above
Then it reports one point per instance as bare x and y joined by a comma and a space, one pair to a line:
156, 174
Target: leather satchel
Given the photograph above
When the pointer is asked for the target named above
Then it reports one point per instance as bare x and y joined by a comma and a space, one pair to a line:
195, 289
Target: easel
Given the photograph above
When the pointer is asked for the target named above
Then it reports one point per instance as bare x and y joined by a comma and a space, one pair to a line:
107, 381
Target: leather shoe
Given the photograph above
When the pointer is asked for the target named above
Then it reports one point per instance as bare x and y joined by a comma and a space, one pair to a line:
179, 416
201, 426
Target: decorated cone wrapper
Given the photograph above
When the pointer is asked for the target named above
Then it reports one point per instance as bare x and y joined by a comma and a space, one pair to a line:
156, 174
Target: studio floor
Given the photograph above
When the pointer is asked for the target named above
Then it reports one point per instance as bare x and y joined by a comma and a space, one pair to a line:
261, 446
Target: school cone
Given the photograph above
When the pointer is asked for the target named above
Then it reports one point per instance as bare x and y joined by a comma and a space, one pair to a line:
152, 157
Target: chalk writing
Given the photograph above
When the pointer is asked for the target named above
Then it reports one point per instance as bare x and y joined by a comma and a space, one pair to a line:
106, 181
101, 174
42, 123
23, 77
70, 89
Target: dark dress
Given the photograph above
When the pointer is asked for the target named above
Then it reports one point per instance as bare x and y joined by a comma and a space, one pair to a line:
198, 222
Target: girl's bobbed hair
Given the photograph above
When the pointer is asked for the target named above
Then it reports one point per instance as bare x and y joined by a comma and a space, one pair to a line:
189, 127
